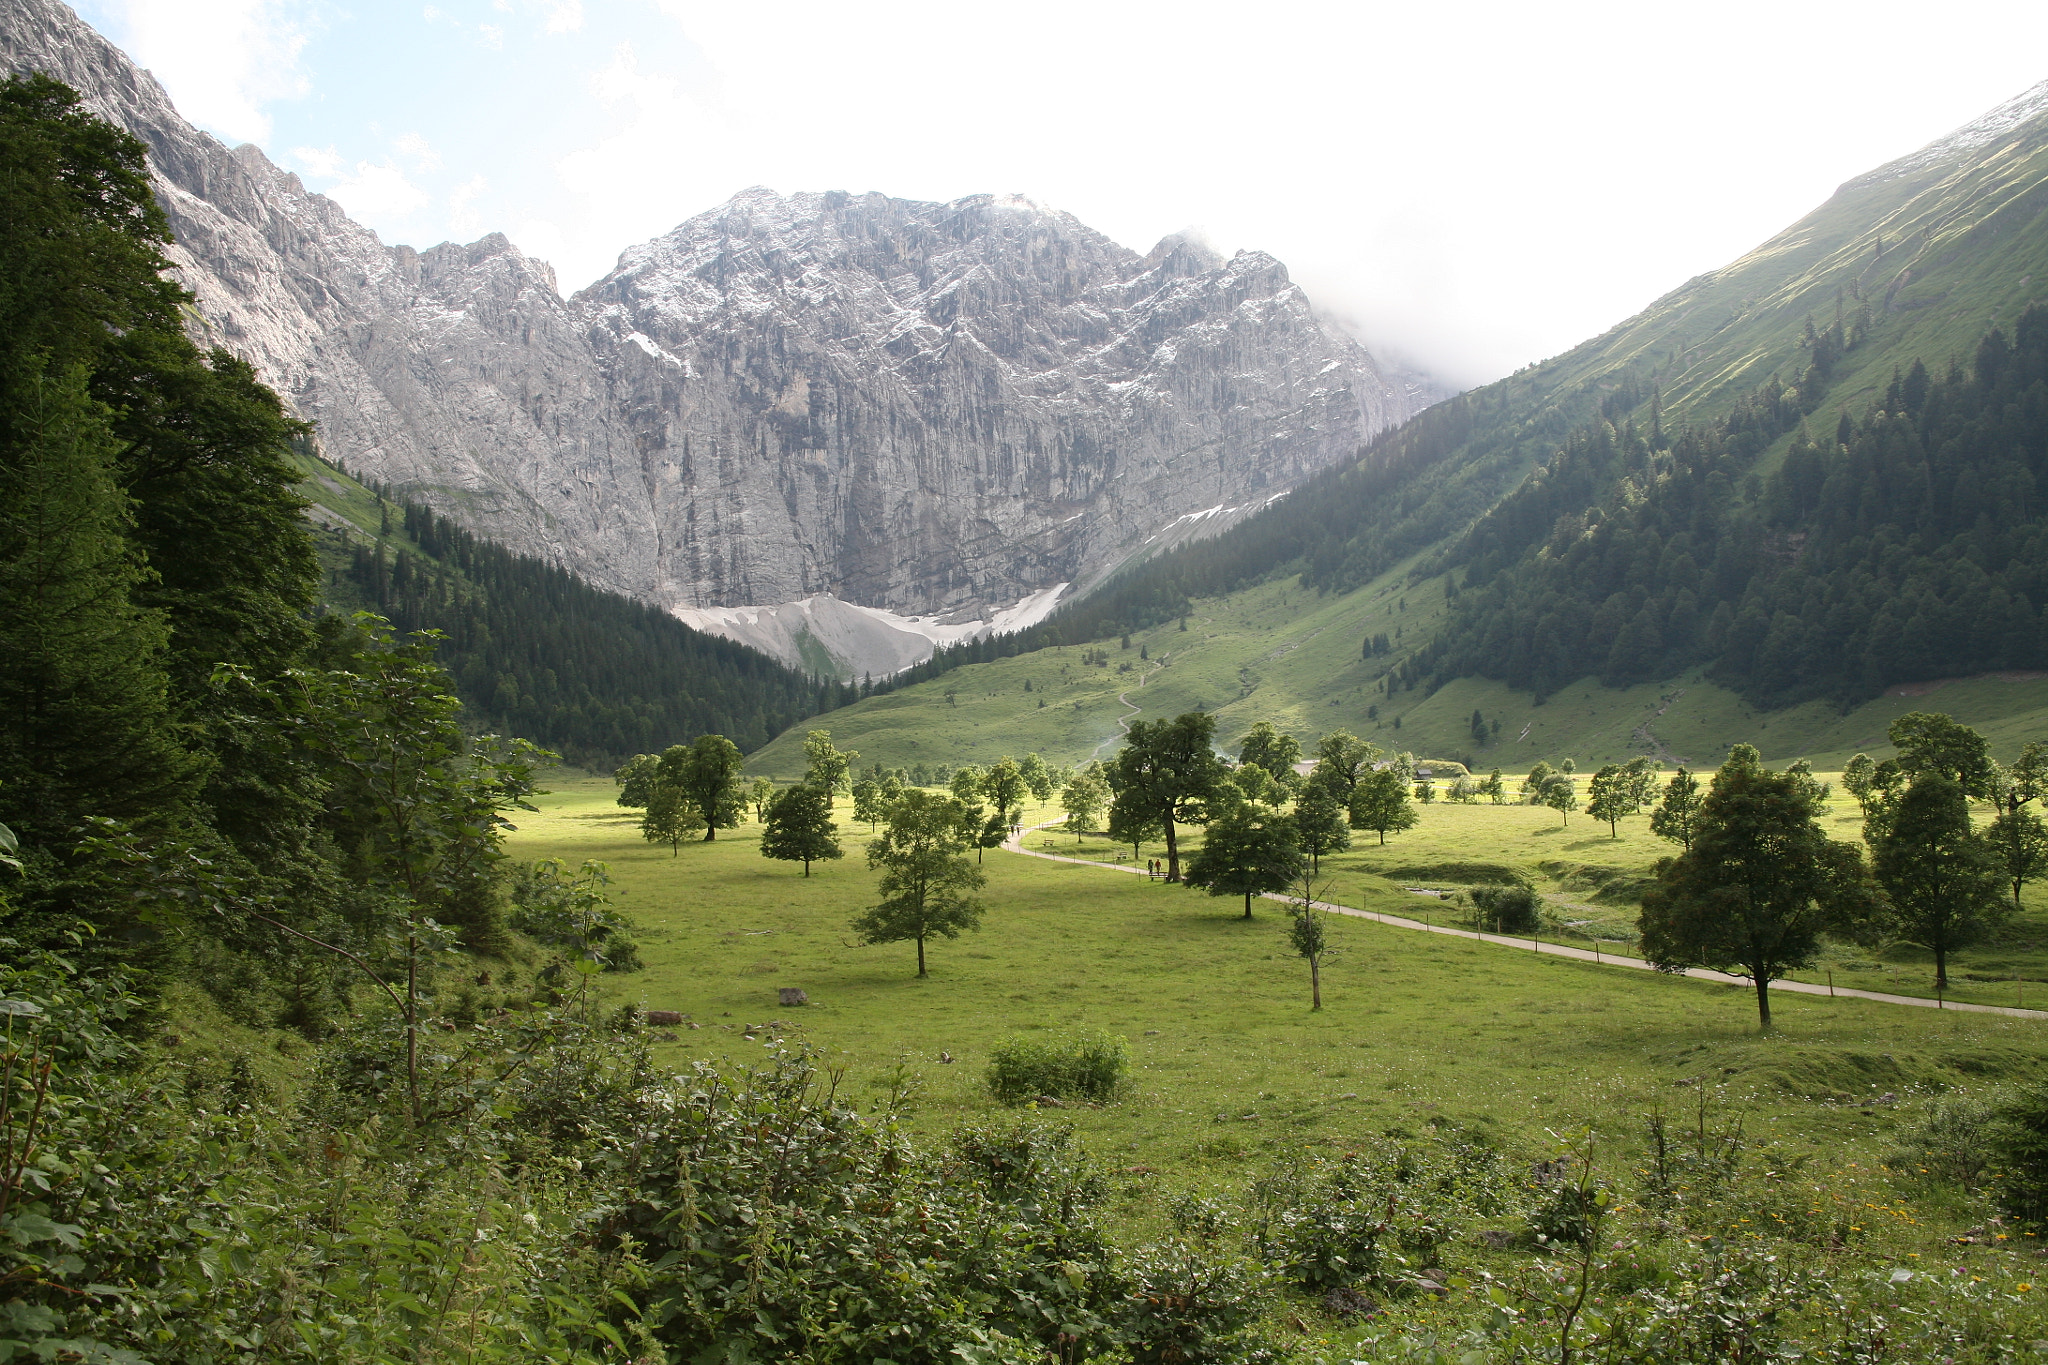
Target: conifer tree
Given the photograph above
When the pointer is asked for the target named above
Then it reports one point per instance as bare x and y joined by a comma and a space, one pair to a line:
86, 723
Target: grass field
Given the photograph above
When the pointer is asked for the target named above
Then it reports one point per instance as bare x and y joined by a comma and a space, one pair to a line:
1279, 654
1231, 1068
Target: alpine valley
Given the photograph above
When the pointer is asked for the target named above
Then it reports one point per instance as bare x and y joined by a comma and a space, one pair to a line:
882, 440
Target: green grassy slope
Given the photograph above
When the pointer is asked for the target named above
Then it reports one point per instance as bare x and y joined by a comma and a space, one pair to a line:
1279, 654
1940, 252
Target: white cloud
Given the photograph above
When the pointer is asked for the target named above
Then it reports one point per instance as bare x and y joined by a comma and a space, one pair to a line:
323, 162
665, 156
378, 191
463, 219
424, 157
222, 71
564, 16
491, 36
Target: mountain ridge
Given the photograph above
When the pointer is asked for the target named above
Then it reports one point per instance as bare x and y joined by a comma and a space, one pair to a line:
917, 407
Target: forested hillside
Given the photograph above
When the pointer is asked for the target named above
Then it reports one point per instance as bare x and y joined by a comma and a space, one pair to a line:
536, 651
1905, 545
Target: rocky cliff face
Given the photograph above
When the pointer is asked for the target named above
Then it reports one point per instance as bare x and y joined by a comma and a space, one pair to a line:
932, 409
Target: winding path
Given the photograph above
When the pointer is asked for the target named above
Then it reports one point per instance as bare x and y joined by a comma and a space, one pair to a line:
1123, 725
1016, 845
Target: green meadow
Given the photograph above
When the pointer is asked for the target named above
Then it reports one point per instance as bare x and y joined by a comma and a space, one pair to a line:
1231, 1070
1281, 654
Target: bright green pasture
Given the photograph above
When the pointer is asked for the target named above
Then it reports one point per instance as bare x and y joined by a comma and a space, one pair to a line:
1228, 1059
1591, 878
1277, 653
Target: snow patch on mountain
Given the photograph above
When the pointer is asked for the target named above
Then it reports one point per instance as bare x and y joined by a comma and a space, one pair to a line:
848, 641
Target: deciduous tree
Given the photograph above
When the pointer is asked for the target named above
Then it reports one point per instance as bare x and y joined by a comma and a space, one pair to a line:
824, 765
1561, 794
925, 882
1273, 751
1246, 852
707, 773
635, 779
1608, 798
1003, 786
2022, 845
1381, 804
1943, 879
1085, 797
1342, 761
1857, 777
1308, 934
1929, 742
670, 817
1166, 774
800, 827
1676, 813
1759, 884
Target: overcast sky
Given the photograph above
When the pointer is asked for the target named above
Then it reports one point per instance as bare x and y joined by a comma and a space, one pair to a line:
1477, 186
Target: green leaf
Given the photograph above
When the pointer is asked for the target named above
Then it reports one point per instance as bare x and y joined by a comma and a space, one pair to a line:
26, 1229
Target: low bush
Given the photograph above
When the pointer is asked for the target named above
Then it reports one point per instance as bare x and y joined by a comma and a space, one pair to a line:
2021, 1138
1512, 909
1955, 1143
1372, 1217
1081, 1066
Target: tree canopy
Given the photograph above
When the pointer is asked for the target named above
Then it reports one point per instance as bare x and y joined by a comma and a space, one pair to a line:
1165, 774
1246, 852
1758, 885
925, 883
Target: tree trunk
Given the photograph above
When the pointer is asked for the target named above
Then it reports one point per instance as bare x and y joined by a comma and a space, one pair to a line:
1941, 962
1315, 984
1763, 1000
1247, 905
710, 832
1383, 838
920, 954
1172, 853
807, 867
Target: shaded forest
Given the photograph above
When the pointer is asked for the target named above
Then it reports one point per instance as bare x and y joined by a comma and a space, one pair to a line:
596, 676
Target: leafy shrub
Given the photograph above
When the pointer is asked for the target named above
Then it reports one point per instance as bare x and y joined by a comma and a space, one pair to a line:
1955, 1143
1365, 1217
1510, 909
572, 910
1186, 1303
1082, 1066
2021, 1136
781, 1225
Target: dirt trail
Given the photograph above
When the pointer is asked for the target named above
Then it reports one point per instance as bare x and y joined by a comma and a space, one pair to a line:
1123, 722
1016, 845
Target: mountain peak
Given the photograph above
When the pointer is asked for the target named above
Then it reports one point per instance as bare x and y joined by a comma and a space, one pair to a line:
1987, 128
